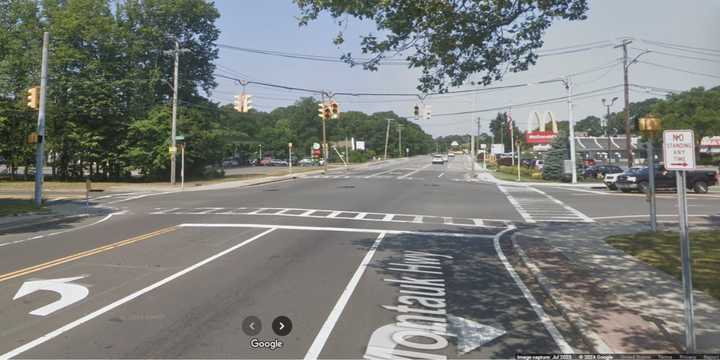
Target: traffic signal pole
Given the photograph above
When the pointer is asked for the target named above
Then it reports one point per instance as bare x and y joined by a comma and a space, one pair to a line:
40, 147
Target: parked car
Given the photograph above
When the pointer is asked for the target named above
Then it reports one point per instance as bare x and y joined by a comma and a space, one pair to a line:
306, 162
610, 179
266, 162
451, 155
599, 171
278, 162
438, 159
539, 165
698, 180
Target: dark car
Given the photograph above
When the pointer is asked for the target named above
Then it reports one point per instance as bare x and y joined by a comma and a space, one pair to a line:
601, 170
697, 180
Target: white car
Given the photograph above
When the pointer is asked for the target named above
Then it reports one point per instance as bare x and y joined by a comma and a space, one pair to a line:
437, 159
610, 179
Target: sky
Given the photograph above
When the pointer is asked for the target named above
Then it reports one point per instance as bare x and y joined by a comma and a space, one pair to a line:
272, 25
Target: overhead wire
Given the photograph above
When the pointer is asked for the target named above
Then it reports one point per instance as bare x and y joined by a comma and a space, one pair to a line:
679, 69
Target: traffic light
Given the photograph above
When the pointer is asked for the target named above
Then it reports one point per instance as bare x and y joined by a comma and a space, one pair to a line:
321, 110
242, 103
334, 109
327, 113
238, 103
34, 97
247, 103
416, 110
428, 112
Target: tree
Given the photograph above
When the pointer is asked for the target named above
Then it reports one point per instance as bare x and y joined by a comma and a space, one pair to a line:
501, 132
636, 111
553, 167
591, 125
449, 40
697, 109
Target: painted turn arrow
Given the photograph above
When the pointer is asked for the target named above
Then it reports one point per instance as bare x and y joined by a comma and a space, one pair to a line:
69, 293
469, 336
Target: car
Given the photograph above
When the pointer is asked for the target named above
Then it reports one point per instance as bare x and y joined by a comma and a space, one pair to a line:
438, 159
599, 171
610, 179
266, 162
451, 155
539, 165
278, 162
697, 180
306, 162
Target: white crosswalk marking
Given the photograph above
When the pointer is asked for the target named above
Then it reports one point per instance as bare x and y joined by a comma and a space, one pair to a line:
335, 214
535, 205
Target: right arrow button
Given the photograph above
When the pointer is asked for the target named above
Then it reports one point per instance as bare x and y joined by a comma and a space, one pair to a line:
282, 325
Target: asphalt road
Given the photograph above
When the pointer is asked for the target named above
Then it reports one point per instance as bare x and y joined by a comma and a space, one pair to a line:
403, 258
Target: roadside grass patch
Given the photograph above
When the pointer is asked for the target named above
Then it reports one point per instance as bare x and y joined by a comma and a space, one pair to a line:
662, 251
9, 207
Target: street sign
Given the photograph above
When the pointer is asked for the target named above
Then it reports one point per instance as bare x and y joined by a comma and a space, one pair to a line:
497, 149
679, 149
180, 138
360, 145
316, 146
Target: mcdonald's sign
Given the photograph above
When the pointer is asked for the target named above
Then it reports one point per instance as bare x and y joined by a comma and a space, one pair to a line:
537, 128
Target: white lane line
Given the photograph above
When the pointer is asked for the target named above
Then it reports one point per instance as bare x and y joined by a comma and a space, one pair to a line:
140, 197
447, 220
55, 333
338, 229
441, 175
418, 219
107, 217
544, 318
162, 211
307, 213
380, 173
642, 216
516, 205
360, 216
478, 222
577, 213
414, 171
332, 215
256, 211
388, 217
329, 325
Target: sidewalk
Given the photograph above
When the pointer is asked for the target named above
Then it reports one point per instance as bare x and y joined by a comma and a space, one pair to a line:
485, 175
619, 303
58, 212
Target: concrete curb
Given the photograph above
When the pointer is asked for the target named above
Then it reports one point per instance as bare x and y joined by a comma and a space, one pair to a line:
590, 337
22, 223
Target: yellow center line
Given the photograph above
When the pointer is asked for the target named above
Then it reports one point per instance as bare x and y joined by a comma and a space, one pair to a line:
62, 260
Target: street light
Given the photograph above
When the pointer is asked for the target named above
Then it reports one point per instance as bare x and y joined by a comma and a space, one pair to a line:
607, 124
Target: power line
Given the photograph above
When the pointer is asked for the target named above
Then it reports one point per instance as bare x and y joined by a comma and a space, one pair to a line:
687, 48
536, 102
653, 51
679, 69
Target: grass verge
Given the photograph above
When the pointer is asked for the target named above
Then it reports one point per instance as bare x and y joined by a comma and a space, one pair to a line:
662, 251
9, 207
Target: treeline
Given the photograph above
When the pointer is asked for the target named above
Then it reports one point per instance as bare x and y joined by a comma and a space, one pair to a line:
110, 87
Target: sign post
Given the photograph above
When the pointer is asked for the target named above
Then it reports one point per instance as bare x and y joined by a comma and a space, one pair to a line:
679, 153
650, 126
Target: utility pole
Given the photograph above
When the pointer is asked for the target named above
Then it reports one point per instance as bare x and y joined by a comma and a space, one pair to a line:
173, 150
387, 136
511, 124
40, 148
477, 141
399, 128
571, 125
628, 142
607, 126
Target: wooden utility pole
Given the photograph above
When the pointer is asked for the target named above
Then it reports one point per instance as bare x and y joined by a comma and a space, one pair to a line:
628, 142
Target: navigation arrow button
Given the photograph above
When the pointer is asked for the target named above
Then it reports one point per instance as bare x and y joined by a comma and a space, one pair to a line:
471, 335
282, 325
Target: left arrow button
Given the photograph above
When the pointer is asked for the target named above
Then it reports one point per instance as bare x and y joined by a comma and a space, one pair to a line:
69, 293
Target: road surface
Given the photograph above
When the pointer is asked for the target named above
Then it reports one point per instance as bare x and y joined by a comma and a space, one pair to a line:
400, 259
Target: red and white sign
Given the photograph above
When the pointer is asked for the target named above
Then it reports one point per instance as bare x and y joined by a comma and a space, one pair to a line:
540, 137
710, 141
679, 149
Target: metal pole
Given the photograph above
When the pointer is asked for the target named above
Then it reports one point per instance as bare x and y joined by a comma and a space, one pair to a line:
182, 167
571, 125
174, 113
607, 133
518, 162
40, 147
387, 136
651, 175
399, 141
512, 143
324, 142
686, 263
472, 154
290, 158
